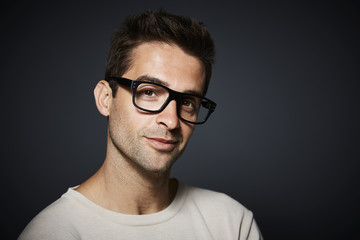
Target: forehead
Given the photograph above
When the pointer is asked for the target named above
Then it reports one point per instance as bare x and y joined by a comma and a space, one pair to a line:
169, 63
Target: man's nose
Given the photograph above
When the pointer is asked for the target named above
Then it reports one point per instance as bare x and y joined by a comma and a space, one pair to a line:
168, 117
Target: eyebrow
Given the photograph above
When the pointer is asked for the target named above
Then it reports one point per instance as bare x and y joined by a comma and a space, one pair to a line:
148, 78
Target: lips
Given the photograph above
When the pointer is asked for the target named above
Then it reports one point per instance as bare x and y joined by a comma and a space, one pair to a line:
162, 144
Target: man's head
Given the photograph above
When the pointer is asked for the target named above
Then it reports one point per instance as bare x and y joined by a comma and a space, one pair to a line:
156, 55
187, 33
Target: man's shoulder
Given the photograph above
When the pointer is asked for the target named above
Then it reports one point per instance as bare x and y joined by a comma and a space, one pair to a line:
61, 207
213, 201
206, 196
223, 215
51, 219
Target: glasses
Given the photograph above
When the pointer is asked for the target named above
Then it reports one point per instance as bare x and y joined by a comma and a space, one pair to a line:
153, 97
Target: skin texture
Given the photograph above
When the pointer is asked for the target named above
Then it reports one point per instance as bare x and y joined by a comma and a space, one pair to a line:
141, 147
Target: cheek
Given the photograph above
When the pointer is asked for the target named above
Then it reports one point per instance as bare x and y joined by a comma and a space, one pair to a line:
127, 119
119, 118
116, 123
187, 131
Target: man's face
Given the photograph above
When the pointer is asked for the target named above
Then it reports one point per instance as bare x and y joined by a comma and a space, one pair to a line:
152, 142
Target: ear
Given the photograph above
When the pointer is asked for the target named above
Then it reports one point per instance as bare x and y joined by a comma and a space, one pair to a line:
103, 97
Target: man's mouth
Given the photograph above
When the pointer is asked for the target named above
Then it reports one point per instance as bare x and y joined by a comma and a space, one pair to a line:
162, 144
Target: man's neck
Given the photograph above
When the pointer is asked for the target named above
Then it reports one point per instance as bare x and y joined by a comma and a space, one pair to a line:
122, 189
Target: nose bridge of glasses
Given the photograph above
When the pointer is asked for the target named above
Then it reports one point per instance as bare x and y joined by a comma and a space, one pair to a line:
169, 101
175, 98
173, 95
169, 114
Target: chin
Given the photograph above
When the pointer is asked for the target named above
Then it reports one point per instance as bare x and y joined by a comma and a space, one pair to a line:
161, 169
157, 173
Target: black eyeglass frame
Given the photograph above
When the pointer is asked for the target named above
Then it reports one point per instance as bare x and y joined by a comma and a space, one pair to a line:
173, 95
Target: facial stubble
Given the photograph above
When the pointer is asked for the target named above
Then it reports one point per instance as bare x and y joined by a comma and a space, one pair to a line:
133, 148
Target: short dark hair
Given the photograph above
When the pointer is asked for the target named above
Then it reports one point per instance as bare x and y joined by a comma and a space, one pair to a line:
187, 33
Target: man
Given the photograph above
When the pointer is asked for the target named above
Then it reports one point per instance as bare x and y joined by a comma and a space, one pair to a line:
156, 78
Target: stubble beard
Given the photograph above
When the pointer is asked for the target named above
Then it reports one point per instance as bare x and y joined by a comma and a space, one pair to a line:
140, 156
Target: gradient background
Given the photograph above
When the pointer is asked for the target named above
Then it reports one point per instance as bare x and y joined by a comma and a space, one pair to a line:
284, 140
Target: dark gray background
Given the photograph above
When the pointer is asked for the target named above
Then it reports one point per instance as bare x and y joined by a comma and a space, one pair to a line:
284, 140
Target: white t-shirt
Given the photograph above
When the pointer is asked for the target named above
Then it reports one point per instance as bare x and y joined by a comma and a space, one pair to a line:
194, 214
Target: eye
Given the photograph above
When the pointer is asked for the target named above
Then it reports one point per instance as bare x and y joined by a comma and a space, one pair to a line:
149, 93
188, 106
188, 103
